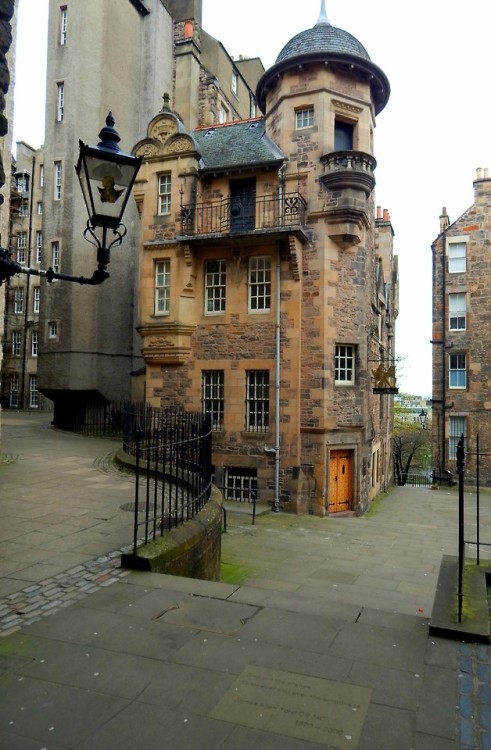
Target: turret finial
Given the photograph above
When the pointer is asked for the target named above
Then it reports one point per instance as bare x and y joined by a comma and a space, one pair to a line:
323, 19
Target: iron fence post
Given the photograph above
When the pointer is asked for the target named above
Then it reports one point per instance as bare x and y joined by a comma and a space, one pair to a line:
460, 472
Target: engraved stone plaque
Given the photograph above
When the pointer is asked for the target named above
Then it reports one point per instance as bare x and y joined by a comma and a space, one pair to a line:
295, 705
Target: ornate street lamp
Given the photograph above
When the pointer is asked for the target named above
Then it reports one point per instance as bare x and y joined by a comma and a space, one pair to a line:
106, 176
423, 417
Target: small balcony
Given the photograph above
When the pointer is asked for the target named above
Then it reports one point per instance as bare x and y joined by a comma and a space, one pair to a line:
244, 215
349, 169
349, 180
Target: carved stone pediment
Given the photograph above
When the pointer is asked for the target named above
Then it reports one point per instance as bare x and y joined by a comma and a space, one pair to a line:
166, 136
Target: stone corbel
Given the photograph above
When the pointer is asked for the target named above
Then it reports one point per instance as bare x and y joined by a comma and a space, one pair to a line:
166, 343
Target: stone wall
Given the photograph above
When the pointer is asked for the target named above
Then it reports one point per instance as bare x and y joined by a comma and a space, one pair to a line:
6, 13
7, 8
192, 550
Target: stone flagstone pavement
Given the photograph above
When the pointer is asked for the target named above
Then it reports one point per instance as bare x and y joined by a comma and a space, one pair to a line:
317, 637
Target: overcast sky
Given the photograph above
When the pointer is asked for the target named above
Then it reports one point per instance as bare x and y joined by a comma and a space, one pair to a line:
433, 134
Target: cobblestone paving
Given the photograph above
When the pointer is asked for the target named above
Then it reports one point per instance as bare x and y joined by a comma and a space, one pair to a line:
48, 596
474, 697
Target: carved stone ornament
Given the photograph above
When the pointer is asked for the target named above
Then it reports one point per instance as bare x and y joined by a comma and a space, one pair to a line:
164, 127
179, 145
346, 106
147, 149
157, 342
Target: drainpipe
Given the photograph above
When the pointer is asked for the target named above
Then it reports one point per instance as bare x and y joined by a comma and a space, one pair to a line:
277, 447
442, 344
28, 289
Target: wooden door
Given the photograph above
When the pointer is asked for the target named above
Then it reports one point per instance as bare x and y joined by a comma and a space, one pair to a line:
340, 481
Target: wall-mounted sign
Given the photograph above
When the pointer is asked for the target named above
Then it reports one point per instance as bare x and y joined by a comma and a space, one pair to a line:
384, 379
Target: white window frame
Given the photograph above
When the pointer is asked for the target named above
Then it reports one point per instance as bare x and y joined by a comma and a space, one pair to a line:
304, 118
40, 208
164, 194
34, 343
215, 286
41, 175
457, 311
259, 284
457, 425
162, 278
55, 257
39, 245
16, 343
63, 24
223, 114
58, 180
234, 84
23, 209
36, 299
19, 300
257, 400
457, 255
52, 329
33, 392
60, 101
21, 247
345, 364
212, 390
22, 182
457, 364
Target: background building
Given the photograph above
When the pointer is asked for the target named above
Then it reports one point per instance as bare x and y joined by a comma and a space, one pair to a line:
461, 337
268, 288
22, 292
8, 31
120, 55
101, 56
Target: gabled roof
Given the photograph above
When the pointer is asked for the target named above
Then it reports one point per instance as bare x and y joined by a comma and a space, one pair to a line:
236, 145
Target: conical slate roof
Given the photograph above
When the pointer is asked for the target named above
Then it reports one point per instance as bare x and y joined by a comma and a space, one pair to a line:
322, 38
327, 44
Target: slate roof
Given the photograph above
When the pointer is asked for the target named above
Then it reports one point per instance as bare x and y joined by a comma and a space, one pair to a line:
326, 43
235, 145
322, 38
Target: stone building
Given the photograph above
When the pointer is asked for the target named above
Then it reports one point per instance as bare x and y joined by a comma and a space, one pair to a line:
268, 284
22, 292
118, 55
461, 338
8, 26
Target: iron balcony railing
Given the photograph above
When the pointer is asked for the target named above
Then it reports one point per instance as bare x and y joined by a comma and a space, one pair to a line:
244, 214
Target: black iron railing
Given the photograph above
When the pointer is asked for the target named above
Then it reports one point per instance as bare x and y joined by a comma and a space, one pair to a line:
247, 214
173, 472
